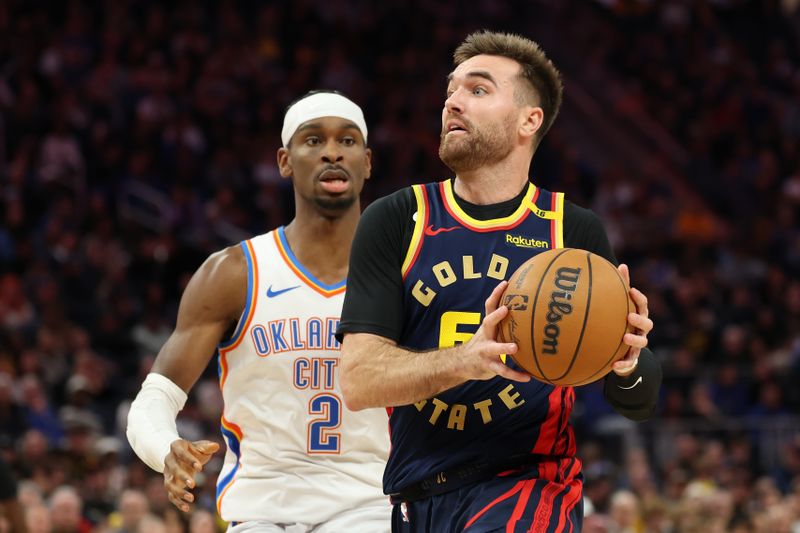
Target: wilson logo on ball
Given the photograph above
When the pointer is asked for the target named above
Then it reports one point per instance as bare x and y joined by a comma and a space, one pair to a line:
567, 281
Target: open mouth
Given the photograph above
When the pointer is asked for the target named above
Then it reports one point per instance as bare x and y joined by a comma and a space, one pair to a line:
454, 127
334, 181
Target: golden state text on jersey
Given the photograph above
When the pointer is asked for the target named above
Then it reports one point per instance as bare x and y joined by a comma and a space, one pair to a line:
453, 263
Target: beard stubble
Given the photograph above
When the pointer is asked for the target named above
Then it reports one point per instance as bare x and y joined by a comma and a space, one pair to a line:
479, 147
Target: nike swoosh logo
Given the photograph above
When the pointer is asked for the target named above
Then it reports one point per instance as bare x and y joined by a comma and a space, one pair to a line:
429, 231
273, 294
640, 380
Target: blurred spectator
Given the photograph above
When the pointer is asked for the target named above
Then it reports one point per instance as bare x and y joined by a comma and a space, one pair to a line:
16, 311
37, 519
624, 514
11, 510
133, 508
12, 417
202, 522
66, 508
39, 414
151, 524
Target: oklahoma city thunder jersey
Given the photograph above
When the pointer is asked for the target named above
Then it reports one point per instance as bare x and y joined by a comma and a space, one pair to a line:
294, 453
452, 265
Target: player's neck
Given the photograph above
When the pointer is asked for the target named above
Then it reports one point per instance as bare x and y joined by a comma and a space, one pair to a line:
322, 244
492, 184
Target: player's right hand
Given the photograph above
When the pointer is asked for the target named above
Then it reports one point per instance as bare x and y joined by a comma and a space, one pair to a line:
181, 464
483, 350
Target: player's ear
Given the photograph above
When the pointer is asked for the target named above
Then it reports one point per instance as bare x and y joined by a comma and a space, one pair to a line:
368, 163
284, 162
532, 119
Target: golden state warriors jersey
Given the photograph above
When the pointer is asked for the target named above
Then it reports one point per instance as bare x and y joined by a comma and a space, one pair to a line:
294, 452
453, 263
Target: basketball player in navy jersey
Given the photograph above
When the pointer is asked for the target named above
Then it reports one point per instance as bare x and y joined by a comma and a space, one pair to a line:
296, 460
477, 445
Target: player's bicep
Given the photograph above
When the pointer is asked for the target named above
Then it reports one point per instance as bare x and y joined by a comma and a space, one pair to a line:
212, 302
363, 343
373, 301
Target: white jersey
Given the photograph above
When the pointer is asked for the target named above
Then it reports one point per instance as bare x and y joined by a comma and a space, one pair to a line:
295, 453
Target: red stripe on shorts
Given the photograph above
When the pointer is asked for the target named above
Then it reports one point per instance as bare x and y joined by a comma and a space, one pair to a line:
515, 489
569, 502
545, 508
521, 504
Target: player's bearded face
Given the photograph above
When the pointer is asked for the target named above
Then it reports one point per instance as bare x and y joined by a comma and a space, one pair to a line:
478, 146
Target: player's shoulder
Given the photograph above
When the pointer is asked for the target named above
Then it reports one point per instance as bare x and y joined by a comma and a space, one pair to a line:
218, 289
398, 200
392, 206
578, 216
225, 266
228, 257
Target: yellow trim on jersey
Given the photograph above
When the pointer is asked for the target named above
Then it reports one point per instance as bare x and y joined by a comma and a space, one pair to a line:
559, 220
541, 213
419, 228
526, 205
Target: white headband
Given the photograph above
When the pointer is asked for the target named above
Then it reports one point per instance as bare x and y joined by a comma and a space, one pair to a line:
321, 105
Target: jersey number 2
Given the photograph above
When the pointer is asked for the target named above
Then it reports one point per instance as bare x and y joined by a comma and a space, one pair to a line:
321, 438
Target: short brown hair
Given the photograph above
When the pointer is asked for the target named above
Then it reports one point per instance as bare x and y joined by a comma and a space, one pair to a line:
537, 71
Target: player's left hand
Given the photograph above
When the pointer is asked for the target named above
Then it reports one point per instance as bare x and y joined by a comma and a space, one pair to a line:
184, 460
639, 320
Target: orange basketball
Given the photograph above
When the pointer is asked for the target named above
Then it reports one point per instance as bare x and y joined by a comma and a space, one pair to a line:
568, 312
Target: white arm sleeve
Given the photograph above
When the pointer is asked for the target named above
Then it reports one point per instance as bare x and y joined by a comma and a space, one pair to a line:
151, 419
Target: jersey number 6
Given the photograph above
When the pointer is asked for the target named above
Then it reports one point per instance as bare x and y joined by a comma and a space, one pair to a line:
449, 335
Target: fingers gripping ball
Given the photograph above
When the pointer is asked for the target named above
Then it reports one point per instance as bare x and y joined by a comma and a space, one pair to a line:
568, 313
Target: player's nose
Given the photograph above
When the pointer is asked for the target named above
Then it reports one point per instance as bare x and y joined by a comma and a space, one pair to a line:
454, 103
332, 152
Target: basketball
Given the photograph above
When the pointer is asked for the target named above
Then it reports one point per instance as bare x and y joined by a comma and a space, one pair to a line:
568, 312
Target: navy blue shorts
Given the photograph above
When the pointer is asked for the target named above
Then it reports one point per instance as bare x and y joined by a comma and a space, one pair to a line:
547, 498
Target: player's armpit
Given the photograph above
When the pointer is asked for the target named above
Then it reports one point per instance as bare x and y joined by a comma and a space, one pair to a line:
212, 302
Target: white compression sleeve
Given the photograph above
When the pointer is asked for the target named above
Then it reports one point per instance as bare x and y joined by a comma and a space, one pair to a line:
151, 419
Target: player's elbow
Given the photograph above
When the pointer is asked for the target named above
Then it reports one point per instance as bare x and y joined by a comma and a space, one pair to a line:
351, 398
351, 394
353, 390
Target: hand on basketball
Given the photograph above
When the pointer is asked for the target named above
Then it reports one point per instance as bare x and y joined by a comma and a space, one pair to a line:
639, 320
181, 464
483, 351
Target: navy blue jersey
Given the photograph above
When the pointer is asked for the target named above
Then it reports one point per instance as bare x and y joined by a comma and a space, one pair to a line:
452, 265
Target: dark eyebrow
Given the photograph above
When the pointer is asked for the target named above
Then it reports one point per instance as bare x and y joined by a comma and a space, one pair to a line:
345, 125
476, 74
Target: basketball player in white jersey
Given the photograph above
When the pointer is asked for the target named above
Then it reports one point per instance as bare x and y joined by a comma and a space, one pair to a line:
296, 460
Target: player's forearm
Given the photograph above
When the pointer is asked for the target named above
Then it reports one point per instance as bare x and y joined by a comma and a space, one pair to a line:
635, 396
151, 419
377, 373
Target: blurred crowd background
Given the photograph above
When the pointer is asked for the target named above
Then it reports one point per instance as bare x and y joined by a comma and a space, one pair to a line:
137, 137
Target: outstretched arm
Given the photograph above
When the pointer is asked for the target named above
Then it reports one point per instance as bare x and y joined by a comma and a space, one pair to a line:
212, 301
